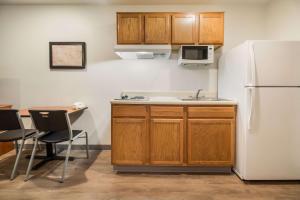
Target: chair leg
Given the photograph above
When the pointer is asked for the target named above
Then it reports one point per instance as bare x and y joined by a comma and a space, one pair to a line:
66, 161
31, 160
87, 145
39, 146
19, 152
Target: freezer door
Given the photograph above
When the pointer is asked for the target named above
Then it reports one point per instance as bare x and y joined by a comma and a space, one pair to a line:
272, 135
276, 63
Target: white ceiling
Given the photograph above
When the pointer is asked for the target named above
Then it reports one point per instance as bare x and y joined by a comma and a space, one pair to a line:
133, 2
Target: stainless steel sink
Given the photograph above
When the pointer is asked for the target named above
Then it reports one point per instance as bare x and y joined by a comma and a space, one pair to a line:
203, 99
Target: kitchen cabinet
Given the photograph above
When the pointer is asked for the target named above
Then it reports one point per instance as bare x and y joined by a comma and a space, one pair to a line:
211, 28
157, 28
173, 135
211, 135
170, 28
166, 135
184, 28
210, 142
129, 141
130, 28
129, 135
166, 141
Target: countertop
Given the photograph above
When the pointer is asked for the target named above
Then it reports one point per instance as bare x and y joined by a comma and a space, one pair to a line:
173, 101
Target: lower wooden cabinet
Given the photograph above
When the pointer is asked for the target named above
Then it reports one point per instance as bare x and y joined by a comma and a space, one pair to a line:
211, 142
129, 141
173, 135
166, 141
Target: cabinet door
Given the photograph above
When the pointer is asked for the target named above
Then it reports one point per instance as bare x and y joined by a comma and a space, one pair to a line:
184, 28
211, 142
130, 28
211, 28
157, 28
166, 141
129, 141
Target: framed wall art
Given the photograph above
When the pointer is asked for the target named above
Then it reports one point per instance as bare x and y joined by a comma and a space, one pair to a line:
67, 55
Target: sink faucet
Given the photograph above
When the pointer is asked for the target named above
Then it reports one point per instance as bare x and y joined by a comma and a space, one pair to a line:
198, 92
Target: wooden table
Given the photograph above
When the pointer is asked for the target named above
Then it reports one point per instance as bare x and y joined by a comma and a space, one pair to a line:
5, 106
70, 109
49, 147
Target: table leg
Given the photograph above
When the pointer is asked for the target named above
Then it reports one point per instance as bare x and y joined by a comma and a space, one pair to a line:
49, 150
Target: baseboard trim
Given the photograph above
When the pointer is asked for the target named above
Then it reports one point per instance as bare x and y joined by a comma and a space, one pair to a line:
172, 169
238, 174
61, 147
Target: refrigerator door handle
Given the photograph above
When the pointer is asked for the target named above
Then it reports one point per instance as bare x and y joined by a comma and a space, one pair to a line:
252, 64
251, 99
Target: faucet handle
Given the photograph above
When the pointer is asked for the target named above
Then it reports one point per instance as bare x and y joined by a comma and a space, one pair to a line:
198, 92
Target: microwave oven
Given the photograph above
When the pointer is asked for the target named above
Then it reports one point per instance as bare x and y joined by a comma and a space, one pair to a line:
196, 54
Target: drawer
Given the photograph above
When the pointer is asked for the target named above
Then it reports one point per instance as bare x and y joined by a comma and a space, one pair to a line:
166, 111
129, 111
211, 112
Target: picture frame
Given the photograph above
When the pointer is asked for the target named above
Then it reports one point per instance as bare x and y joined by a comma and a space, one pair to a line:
67, 55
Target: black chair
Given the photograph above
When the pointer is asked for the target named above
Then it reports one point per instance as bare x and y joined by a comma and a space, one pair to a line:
54, 127
12, 130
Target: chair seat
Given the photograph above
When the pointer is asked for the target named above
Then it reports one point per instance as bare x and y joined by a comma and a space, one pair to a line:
58, 136
17, 134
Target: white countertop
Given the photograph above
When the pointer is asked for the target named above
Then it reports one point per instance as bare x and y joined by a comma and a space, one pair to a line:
173, 101
170, 98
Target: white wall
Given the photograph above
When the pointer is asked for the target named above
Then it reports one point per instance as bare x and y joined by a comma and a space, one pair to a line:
26, 80
283, 20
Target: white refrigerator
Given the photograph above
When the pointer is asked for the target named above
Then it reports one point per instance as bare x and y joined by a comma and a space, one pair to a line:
264, 78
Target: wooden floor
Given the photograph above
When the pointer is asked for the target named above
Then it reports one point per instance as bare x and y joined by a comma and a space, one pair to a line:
94, 179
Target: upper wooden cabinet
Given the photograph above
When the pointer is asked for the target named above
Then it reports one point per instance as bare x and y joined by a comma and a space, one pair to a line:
130, 28
211, 28
170, 28
184, 28
157, 28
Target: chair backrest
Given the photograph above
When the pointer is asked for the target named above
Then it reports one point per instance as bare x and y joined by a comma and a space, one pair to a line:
51, 120
10, 120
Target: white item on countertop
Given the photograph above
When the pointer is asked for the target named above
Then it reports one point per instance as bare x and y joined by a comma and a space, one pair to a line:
264, 78
79, 105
